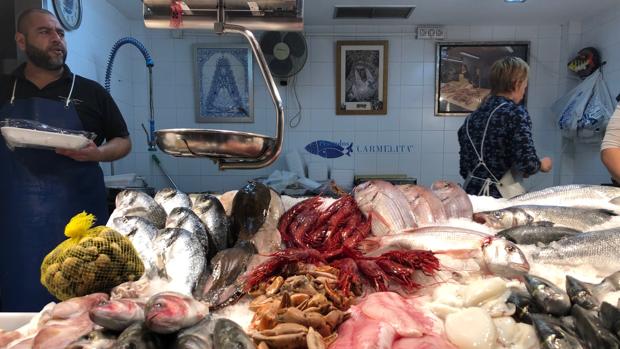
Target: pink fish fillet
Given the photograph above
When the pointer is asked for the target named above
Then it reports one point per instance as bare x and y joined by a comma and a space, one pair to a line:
426, 342
364, 333
425, 205
393, 309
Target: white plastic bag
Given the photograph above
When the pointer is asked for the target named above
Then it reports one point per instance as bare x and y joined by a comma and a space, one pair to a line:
585, 110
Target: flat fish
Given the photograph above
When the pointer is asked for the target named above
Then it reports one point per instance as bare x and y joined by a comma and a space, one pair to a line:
249, 211
170, 199
427, 208
386, 206
267, 239
455, 200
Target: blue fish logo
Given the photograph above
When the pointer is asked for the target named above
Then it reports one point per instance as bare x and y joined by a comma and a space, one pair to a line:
329, 149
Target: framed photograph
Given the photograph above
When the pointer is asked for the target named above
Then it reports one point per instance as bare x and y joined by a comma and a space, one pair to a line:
224, 86
462, 72
361, 77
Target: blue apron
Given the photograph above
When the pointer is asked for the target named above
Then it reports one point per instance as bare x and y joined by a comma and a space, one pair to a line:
40, 191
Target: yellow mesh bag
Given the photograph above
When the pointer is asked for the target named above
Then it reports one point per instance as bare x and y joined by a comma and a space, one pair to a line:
91, 260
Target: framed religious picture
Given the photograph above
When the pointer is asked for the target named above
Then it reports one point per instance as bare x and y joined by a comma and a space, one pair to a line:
462, 72
224, 86
361, 77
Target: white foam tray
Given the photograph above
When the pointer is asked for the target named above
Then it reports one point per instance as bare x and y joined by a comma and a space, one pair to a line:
17, 136
13, 321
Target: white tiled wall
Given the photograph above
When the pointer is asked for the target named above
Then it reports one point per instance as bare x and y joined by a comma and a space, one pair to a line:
410, 118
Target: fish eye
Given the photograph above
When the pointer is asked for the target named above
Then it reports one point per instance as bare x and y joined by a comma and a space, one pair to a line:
158, 305
510, 248
497, 214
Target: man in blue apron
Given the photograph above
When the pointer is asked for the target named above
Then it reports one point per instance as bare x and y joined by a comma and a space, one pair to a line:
42, 189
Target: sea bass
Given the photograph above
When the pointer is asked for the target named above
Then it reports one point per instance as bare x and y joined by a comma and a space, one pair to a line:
385, 205
168, 312
494, 255
136, 203
571, 217
427, 208
533, 234
455, 200
170, 199
600, 249
569, 194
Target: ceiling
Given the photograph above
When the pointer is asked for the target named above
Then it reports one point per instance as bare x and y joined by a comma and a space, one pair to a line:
446, 12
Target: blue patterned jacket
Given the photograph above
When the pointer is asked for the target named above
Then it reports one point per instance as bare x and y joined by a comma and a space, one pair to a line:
508, 143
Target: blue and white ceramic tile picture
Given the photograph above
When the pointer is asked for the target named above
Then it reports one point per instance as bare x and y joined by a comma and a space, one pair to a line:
224, 83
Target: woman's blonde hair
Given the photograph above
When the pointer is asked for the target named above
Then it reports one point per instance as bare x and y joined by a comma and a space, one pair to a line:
506, 73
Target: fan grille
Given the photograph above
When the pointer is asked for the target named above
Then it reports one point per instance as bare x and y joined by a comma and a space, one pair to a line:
291, 64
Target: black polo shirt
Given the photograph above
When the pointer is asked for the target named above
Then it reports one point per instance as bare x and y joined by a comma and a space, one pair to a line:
95, 107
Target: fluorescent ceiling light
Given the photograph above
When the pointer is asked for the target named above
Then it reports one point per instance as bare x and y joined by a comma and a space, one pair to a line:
469, 55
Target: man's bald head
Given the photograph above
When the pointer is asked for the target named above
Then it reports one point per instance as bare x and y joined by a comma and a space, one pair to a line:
24, 17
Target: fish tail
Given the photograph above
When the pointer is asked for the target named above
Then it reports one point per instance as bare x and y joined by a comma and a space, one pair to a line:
349, 149
607, 212
367, 245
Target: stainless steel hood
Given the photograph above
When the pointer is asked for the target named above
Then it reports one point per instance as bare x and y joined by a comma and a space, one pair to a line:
280, 15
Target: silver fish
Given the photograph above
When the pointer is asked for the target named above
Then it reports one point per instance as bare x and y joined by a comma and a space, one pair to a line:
117, 314
98, 339
212, 214
138, 336
533, 234
141, 232
168, 312
228, 335
600, 249
170, 199
182, 257
198, 336
547, 296
427, 208
138, 204
386, 205
588, 295
267, 239
494, 255
569, 194
571, 217
184, 218
455, 200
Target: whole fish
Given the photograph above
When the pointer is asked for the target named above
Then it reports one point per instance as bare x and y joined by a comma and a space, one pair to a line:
571, 217
117, 314
212, 214
170, 199
589, 296
224, 284
228, 335
534, 234
427, 208
249, 211
141, 232
524, 305
610, 318
592, 331
182, 257
168, 312
198, 336
553, 334
548, 297
98, 339
494, 255
267, 239
569, 195
455, 200
600, 249
130, 203
184, 218
386, 205
138, 336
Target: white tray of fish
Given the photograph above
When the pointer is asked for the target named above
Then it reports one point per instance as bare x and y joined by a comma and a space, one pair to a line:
22, 137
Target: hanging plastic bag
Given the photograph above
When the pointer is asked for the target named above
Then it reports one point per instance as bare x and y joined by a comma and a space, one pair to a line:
91, 260
585, 110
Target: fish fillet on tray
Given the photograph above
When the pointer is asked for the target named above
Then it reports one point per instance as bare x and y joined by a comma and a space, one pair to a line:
22, 137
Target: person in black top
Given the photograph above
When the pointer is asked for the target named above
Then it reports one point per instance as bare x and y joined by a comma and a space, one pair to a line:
42, 189
496, 139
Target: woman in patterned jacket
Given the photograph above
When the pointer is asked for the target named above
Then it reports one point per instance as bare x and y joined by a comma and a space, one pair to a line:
496, 139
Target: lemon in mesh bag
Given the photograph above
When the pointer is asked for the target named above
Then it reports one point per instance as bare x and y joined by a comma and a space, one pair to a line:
91, 260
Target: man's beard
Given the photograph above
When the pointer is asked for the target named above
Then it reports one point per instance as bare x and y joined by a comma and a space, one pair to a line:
45, 60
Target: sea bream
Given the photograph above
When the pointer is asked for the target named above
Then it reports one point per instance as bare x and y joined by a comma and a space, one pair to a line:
385, 205
571, 217
427, 208
131, 203
170, 199
141, 232
213, 215
455, 200
185, 218
494, 255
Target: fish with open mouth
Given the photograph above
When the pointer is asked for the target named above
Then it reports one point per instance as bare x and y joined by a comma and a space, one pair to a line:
571, 217
130, 203
170, 199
